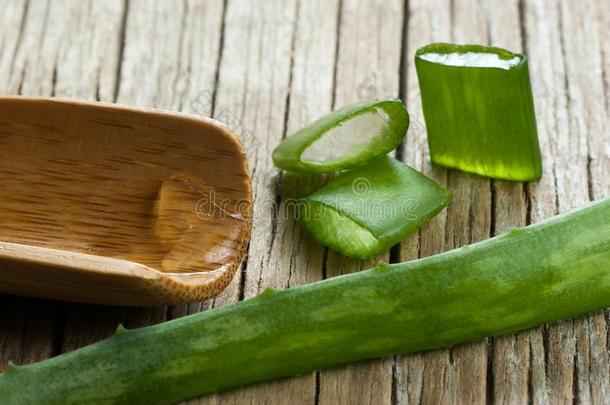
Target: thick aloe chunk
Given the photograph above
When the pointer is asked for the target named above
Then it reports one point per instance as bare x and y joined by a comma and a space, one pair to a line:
479, 111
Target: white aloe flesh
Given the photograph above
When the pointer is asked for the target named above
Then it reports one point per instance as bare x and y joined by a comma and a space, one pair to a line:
350, 137
471, 59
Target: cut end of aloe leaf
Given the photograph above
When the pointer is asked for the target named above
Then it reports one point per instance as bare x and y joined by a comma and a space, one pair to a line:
479, 110
340, 232
471, 59
477, 56
345, 138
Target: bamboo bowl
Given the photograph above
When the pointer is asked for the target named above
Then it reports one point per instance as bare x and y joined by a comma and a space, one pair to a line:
115, 205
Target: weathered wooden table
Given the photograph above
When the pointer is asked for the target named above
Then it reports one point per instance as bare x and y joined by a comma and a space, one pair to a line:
268, 67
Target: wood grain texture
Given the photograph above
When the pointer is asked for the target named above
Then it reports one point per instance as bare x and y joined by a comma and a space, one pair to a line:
266, 68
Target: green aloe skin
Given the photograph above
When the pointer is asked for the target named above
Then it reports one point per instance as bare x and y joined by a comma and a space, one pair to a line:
480, 119
359, 144
368, 209
552, 270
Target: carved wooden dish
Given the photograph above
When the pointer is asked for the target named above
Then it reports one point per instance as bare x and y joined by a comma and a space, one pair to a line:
115, 205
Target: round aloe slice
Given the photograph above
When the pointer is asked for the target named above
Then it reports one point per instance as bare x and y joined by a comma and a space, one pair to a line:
369, 209
345, 138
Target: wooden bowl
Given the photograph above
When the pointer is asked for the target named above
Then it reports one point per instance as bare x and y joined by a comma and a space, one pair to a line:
115, 205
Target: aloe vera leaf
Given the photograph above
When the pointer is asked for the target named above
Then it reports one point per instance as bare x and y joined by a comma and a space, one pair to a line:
479, 110
556, 269
370, 208
344, 138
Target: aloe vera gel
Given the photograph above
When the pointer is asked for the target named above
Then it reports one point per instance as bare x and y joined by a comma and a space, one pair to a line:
479, 111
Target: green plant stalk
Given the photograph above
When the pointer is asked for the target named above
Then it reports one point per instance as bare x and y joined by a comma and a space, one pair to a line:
480, 119
368, 209
287, 155
549, 271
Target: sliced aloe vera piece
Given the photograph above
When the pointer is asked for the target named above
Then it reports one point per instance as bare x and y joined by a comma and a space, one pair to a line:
345, 138
370, 208
479, 110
